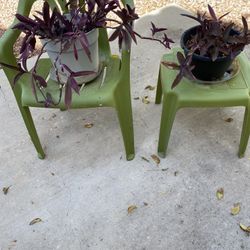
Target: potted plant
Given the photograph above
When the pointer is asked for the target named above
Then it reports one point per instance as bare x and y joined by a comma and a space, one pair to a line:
209, 48
70, 38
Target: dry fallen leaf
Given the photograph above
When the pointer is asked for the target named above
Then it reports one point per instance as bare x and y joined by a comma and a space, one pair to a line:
145, 100
131, 209
36, 220
245, 228
220, 193
88, 125
235, 209
6, 190
229, 119
149, 87
144, 158
156, 159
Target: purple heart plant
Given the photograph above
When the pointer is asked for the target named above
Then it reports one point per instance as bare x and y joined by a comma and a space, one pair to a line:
213, 38
65, 29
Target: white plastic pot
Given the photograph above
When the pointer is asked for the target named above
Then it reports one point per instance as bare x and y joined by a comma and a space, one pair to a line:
83, 63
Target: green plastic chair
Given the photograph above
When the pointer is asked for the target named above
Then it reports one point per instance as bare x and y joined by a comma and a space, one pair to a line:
113, 91
234, 92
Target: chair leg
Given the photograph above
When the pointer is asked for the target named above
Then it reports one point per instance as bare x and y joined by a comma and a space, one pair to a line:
169, 110
245, 133
32, 131
124, 112
158, 96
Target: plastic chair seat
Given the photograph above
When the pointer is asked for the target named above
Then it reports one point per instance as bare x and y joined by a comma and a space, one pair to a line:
99, 92
233, 92
110, 88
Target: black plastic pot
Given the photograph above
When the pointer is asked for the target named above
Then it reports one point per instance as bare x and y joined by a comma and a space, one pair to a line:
206, 69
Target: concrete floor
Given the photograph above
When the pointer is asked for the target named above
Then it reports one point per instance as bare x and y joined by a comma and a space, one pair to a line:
82, 190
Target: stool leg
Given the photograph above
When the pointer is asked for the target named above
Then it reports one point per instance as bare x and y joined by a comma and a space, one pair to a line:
170, 107
158, 96
245, 132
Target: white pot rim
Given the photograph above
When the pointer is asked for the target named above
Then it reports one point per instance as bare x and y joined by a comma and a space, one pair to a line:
56, 40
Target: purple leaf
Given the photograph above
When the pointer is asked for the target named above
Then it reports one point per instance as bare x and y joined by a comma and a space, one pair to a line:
24, 57
75, 52
64, 66
46, 15
21, 26
180, 57
227, 31
177, 80
25, 20
212, 13
223, 15
131, 32
167, 41
115, 34
245, 25
82, 73
74, 85
68, 94
155, 30
85, 45
48, 100
193, 17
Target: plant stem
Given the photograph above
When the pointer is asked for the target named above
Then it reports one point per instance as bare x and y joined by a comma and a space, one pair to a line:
149, 38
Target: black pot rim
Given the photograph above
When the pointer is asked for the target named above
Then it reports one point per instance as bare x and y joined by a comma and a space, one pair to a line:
203, 58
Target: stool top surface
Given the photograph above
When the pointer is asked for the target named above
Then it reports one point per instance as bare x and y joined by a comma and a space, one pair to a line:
237, 88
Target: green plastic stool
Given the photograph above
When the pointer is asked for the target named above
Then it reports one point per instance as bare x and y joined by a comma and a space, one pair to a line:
234, 92
110, 89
